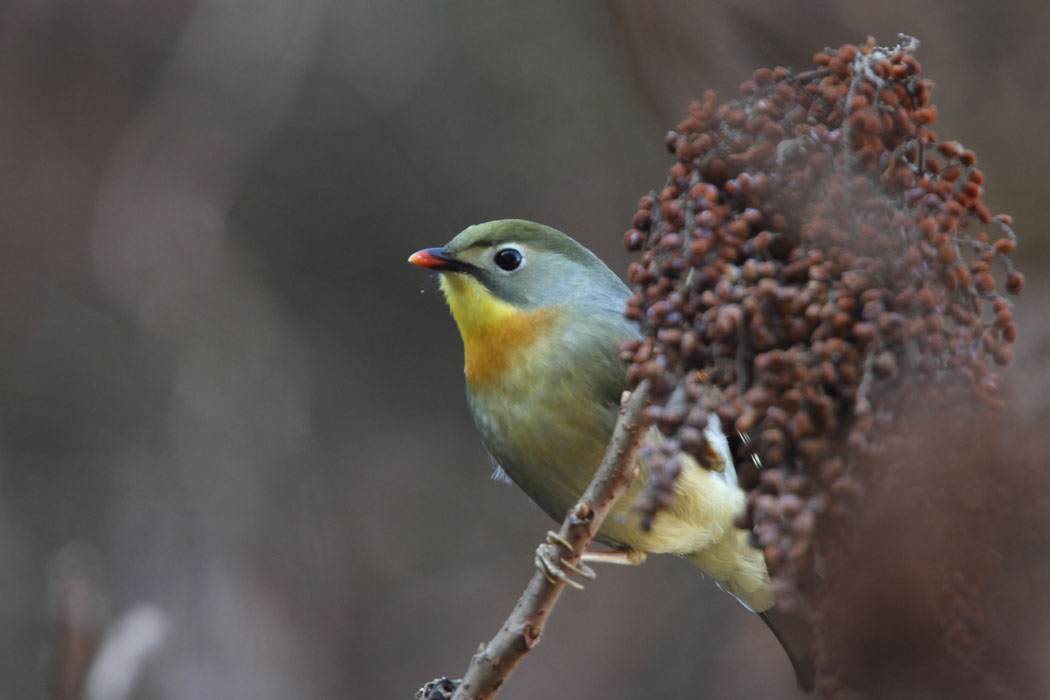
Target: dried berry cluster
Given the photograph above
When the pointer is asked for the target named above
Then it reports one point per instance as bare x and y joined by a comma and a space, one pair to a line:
817, 256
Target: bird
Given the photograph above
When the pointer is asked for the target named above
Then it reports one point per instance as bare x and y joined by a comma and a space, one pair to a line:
541, 319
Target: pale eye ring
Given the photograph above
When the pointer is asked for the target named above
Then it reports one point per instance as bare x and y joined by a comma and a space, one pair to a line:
508, 259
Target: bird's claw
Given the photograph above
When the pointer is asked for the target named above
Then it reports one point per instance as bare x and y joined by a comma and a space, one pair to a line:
581, 569
555, 571
554, 538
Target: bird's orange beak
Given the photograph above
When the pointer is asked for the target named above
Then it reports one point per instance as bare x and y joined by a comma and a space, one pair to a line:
434, 258
440, 259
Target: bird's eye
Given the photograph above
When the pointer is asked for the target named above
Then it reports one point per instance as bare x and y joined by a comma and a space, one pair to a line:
508, 259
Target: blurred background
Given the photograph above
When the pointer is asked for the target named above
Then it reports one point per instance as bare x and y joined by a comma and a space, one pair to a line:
233, 432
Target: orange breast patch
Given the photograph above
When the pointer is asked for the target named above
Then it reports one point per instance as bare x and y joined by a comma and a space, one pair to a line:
490, 348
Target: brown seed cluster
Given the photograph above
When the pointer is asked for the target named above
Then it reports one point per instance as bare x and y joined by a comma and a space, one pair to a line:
817, 256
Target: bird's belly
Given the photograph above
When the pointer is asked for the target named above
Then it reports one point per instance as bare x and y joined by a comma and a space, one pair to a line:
549, 441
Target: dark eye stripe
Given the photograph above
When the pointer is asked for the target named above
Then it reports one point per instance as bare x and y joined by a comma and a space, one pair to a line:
508, 259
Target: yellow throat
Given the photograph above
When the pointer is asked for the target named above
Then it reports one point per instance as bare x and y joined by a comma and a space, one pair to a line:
493, 330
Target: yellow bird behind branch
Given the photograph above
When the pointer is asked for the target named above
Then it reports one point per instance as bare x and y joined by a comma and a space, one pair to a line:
542, 319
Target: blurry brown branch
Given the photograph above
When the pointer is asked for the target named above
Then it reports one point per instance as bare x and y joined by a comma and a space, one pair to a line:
523, 628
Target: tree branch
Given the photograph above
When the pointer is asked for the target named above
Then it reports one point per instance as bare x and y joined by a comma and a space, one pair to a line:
522, 629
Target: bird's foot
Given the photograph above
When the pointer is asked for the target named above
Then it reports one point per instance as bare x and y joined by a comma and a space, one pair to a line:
556, 570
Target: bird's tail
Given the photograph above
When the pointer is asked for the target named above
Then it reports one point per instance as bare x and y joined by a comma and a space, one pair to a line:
796, 637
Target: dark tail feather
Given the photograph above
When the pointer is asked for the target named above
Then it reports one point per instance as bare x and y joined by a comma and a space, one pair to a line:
796, 637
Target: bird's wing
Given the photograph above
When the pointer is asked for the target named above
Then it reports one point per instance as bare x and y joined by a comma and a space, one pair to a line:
718, 456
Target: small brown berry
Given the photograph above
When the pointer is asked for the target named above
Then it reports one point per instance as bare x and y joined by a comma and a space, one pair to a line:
949, 149
1015, 282
634, 239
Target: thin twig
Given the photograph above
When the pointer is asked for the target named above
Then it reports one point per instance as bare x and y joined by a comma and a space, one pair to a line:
521, 632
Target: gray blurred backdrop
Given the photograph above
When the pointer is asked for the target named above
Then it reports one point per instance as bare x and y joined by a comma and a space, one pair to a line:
227, 403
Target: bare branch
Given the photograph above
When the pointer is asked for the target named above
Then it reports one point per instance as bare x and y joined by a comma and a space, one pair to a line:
522, 629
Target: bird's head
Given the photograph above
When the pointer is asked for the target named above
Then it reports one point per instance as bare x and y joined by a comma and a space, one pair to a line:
509, 281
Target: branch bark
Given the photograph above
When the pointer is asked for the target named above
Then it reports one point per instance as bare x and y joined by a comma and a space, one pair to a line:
522, 630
